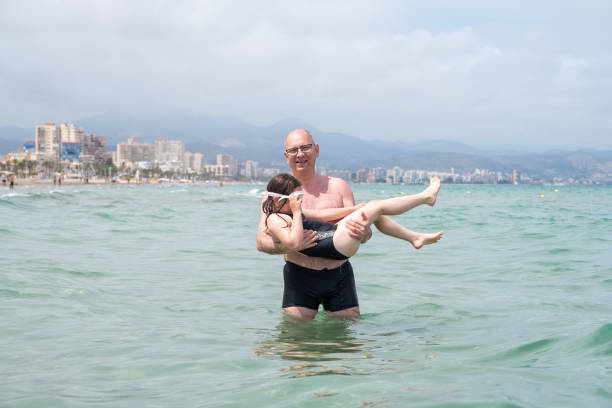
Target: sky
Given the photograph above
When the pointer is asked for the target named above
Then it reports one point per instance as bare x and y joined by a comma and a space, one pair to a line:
523, 74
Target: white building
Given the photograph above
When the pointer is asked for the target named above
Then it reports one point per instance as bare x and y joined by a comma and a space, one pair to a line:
397, 175
194, 162
251, 169
217, 170
380, 174
70, 133
169, 150
229, 161
48, 141
341, 174
269, 173
198, 162
133, 151
188, 161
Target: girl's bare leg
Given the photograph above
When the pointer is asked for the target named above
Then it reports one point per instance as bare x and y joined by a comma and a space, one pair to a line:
399, 205
348, 246
390, 227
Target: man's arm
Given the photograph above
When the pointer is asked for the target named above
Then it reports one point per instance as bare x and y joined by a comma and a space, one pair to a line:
329, 214
358, 229
265, 243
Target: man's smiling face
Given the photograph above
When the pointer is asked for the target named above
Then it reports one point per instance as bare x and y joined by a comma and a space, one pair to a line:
301, 152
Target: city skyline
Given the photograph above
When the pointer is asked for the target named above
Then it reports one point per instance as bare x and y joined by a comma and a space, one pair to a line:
520, 75
66, 148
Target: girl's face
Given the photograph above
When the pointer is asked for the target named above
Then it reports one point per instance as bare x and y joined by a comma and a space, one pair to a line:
286, 208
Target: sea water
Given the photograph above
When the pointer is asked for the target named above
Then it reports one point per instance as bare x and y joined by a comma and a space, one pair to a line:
155, 296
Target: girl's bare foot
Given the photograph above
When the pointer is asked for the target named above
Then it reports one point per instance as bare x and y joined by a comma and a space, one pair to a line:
431, 192
426, 239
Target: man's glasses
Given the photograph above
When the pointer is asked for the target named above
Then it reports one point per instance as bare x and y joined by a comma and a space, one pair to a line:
294, 150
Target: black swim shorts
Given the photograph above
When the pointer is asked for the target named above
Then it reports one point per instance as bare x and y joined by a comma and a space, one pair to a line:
334, 288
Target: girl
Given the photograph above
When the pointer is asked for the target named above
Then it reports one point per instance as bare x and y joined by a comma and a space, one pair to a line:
286, 219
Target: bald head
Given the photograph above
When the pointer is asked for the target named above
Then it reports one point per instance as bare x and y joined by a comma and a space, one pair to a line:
302, 155
301, 135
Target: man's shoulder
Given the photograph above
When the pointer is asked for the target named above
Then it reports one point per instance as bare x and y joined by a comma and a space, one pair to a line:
338, 184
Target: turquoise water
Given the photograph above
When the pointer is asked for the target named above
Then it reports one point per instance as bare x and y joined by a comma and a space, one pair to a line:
154, 296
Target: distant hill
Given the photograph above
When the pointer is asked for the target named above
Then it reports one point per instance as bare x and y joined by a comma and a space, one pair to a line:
211, 135
12, 138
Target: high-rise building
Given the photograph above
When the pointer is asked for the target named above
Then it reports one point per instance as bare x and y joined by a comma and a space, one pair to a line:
217, 170
361, 176
48, 141
188, 161
380, 174
516, 176
94, 147
198, 162
230, 161
251, 169
169, 150
194, 162
342, 174
409, 176
396, 175
132, 151
70, 133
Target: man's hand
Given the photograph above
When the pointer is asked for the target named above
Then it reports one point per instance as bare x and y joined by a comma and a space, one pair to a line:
359, 228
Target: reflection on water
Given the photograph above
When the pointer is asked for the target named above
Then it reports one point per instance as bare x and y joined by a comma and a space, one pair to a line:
324, 346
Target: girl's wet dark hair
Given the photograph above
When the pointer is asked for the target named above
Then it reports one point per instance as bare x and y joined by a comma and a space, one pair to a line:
282, 183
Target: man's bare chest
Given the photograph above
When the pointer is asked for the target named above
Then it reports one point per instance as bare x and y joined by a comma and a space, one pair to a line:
322, 200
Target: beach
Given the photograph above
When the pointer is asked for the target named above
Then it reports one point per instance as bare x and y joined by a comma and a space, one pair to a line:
154, 295
33, 182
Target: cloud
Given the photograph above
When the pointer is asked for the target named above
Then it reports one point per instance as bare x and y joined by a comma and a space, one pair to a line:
394, 70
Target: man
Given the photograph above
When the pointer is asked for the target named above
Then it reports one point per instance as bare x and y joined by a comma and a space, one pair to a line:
309, 280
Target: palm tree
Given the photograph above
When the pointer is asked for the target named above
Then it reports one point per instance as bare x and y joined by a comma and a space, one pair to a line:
31, 164
48, 165
21, 165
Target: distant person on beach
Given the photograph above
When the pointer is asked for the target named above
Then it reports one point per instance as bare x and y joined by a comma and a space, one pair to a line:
286, 220
11, 181
310, 281
3, 179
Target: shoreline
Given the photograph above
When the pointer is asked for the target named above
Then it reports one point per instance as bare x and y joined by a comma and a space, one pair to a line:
34, 182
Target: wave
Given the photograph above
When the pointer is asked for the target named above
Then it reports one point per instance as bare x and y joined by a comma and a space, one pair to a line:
601, 339
12, 195
15, 294
528, 350
107, 216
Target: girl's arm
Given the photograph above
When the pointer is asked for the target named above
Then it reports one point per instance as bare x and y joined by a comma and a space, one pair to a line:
289, 236
329, 214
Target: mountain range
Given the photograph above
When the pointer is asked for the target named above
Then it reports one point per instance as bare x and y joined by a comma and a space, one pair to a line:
211, 135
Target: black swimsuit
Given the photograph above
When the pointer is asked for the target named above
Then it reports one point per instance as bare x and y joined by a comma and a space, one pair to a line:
325, 243
334, 288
